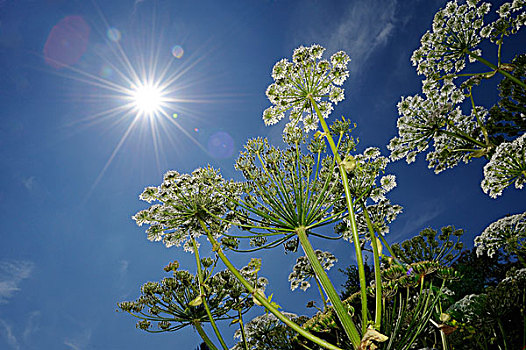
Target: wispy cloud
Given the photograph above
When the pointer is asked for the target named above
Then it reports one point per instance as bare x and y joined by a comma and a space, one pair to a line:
32, 326
417, 222
11, 274
362, 28
29, 182
123, 267
7, 331
365, 27
79, 341
10, 336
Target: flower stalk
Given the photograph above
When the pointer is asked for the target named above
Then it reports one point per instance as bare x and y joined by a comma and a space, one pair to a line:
495, 68
242, 328
203, 295
201, 331
352, 218
377, 272
341, 310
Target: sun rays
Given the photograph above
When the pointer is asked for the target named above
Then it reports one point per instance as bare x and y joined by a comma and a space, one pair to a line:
135, 84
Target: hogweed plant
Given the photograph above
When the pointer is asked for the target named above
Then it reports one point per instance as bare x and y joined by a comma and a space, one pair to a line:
288, 195
293, 194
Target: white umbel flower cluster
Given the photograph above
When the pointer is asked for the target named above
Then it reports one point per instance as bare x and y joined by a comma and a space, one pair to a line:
470, 307
308, 75
434, 119
456, 31
508, 233
302, 271
507, 166
184, 202
511, 18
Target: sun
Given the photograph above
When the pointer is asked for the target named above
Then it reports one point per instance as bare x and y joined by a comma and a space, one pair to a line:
148, 99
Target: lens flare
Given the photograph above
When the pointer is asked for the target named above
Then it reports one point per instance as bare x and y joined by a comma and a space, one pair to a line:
113, 34
220, 145
67, 42
177, 51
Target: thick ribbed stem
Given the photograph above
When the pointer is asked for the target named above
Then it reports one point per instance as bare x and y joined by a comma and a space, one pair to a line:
377, 272
203, 335
341, 310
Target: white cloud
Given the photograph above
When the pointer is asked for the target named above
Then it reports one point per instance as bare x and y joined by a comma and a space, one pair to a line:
361, 29
79, 341
417, 222
365, 27
32, 326
29, 183
11, 274
123, 267
7, 332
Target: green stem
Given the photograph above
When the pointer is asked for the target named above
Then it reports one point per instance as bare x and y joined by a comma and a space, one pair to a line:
323, 298
352, 218
217, 248
393, 255
461, 135
242, 328
491, 65
499, 49
377, 272
442, 335
203, 335
341, 310
203, 295
479, 122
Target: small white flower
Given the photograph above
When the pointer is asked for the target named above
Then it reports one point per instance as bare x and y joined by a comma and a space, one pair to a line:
388, 182
302, 271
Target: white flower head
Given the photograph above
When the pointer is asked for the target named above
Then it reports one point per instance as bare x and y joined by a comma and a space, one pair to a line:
381, 215
455, 32
186, 202
432, 120
363, 179
507, 166
307, 77
508, 233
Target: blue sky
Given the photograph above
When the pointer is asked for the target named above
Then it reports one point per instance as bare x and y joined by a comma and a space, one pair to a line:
72, 170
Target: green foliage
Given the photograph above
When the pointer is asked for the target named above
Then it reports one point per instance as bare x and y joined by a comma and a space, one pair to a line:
176, 302
352, 282
479, 272
430, 245
494, 318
